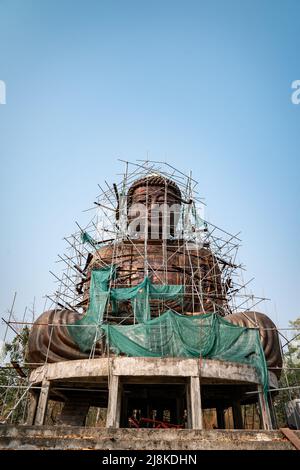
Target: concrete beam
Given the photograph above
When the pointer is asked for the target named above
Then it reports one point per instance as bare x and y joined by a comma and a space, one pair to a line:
42, 403
148, 367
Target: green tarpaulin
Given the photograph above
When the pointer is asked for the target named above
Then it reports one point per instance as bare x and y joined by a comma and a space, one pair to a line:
101, 294
169, 335
175, 335
87, 330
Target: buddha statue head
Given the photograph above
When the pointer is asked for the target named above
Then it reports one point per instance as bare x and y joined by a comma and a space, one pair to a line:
153, 207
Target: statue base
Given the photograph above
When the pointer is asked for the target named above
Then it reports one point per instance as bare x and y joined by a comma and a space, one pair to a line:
149, 392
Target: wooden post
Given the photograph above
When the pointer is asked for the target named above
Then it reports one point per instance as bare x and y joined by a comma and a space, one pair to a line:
220, 417
188, 406
42, 404
237, 415
114, 403
124, 416
31, 411
272, 412
179, 410
264, 410
194, 409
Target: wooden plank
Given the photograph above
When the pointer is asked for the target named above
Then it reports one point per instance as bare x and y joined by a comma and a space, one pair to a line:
237, 415
188, 405
42, 404
195, 400
18, 368
264, 409
220, 417
114, 403
33, 402
291, 436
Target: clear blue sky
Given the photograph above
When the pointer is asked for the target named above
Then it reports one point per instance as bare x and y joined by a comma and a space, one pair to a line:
205, 85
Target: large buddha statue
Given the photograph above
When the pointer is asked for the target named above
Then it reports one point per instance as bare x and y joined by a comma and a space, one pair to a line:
165, 260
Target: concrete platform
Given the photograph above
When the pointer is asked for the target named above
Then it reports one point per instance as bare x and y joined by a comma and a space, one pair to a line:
80, 438
109, 377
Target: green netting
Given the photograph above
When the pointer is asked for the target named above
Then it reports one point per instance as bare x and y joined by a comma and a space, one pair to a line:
100, 295
141, 294
86, 238
87, 330
171, 334
175, 335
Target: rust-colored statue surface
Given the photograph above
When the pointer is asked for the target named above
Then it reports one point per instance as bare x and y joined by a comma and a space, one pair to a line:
165, 261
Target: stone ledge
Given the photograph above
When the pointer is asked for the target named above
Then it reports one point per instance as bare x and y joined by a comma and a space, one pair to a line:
81, 438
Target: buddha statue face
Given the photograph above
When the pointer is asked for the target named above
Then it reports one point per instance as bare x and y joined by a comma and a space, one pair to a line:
153, 206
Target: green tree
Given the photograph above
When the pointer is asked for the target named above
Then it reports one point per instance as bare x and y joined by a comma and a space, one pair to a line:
12, 384
290, 376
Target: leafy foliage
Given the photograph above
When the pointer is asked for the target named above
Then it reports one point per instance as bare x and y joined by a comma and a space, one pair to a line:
10, 380
290, 376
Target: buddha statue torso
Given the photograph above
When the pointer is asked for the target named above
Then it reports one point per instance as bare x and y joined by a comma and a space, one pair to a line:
168, 263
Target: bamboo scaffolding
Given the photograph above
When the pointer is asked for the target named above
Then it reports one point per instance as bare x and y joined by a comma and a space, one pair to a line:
223, 245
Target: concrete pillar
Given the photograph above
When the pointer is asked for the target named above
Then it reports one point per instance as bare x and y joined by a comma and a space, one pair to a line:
42, 403
114, 403
237, 415
194, 409
32, 406
264, 409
